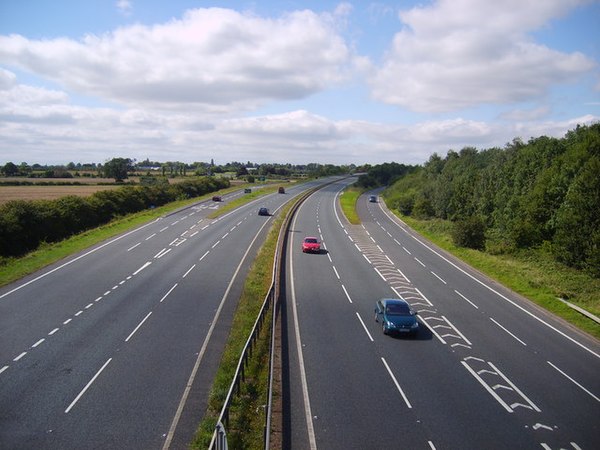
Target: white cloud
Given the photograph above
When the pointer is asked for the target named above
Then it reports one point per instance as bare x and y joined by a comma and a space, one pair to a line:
44, 125
7, 79
217, 60
457, 54
125, 7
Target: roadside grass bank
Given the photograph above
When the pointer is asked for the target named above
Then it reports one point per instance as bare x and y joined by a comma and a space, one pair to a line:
12, 269
348, 200
247, 411
531, 273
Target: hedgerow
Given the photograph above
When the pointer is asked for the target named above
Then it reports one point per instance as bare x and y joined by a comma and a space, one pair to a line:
24, 225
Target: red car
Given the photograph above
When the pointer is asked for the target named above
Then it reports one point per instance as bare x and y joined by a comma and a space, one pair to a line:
311, 244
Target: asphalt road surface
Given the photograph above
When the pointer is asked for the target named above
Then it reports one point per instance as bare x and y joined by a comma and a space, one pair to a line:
116, 347
487, 370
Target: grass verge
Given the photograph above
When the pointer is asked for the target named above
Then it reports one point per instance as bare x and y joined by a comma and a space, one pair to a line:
532, 274
12, 269
247, 412
348, 201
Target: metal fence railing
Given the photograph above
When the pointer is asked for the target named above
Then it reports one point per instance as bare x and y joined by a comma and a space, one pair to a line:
219, 438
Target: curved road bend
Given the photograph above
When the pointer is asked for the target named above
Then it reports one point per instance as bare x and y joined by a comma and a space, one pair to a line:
487, 370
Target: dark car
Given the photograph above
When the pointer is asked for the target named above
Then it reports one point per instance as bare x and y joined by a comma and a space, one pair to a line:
281, 190
396, 316
373, 198
263, 212
247, 190
217, 198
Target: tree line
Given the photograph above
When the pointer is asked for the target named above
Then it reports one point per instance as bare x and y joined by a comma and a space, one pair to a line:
543, 193
121, 168
24, 225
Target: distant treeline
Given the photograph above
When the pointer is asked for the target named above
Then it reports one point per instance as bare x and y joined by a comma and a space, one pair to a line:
542, 193
26, 224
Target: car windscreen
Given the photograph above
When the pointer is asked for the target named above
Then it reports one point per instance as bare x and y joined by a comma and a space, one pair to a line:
397, 310
310, 241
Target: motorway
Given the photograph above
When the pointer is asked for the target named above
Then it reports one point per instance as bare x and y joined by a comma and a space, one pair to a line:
487, 370
116, 347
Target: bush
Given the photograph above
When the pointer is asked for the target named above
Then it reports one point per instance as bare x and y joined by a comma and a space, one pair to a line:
25, 224
469, 233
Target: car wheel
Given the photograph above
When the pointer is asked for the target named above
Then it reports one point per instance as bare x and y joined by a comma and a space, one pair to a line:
376, 319
383, 328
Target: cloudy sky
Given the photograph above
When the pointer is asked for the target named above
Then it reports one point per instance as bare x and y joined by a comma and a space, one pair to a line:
290, 81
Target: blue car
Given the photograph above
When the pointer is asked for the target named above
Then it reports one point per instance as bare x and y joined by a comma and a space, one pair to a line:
396, 316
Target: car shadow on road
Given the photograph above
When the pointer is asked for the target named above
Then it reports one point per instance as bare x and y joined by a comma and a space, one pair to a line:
424, 334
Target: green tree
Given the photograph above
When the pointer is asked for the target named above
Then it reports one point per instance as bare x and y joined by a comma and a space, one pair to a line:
10, 169
118, 168
577, 239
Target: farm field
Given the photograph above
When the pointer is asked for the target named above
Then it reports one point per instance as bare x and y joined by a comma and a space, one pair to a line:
8, 193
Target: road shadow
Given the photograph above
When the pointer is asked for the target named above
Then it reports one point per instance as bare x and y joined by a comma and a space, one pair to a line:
424, 334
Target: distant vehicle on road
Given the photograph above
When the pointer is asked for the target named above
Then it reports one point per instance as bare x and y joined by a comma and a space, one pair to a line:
217, 198
373, 198
396, 316
247, 190
311, 244
281, 190
263, 212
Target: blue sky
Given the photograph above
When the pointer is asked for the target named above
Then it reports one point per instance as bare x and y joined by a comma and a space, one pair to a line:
290, 81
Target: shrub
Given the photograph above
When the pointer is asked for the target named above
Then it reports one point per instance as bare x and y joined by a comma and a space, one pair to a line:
469, 233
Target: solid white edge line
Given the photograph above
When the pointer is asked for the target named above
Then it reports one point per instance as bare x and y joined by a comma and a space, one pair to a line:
508, 332
487, 388
515, 387
423, 295
137, 328
424, 322
364, 326
456, 329
307, 410
379, 273
87, 386
576, 383
396, 383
